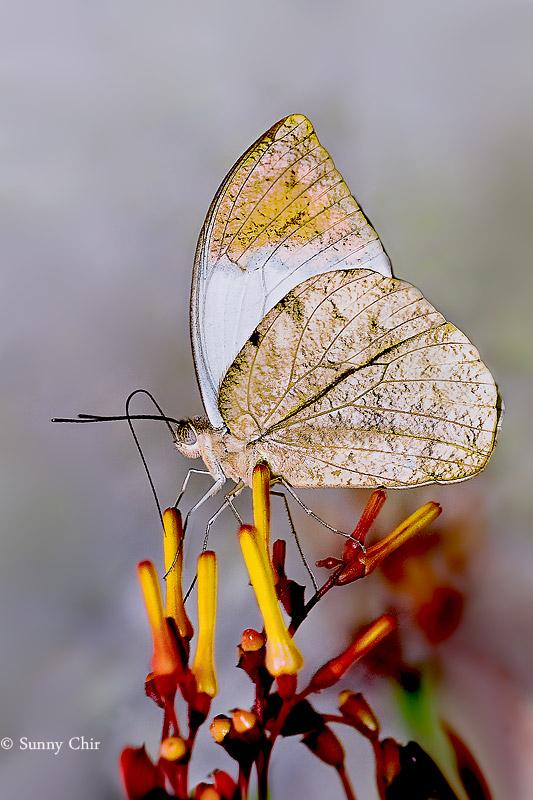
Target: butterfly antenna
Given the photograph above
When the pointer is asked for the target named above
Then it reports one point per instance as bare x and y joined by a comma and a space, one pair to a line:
85, 418
130, 419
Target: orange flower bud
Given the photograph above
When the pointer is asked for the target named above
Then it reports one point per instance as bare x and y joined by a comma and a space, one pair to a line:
243, 720
334, 669
173, 550
390, 760
173, 748
219, 728
206, 791
165, 659
252, 640
356, 710
203, 667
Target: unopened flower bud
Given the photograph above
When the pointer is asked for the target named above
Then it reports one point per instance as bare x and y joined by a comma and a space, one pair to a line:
206, 791
334, 669
219, 728
252, 640
243, 720
356, 710
390, 760
173, 748
325, 745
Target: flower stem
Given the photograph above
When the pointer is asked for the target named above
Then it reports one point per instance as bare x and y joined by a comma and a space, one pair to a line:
346, 785
262, 764
244, 780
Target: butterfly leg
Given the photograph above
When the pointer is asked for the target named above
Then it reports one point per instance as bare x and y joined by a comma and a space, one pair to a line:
296, 537
309, 511
186, 482
211, 492
228, 503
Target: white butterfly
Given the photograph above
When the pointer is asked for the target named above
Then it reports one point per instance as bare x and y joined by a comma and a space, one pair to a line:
308, 353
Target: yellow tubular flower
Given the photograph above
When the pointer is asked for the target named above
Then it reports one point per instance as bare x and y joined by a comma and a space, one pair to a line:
282, 655
173, 549
165, 659
204, 660
261, 501
419, 520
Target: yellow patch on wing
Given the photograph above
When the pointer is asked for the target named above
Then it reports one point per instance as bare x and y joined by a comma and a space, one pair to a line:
285, 193
354, 379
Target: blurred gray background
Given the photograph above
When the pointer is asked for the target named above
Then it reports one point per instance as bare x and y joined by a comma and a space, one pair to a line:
118, 121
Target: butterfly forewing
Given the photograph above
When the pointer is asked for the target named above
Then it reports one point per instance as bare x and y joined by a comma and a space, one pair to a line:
354, 379
282, 215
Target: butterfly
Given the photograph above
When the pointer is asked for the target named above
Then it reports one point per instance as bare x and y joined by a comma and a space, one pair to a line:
309, 354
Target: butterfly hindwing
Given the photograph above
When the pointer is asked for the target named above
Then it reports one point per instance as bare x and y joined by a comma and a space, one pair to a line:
354, 379
282, 215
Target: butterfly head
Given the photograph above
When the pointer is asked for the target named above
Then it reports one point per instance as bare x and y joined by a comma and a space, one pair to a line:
194, 438
186, 438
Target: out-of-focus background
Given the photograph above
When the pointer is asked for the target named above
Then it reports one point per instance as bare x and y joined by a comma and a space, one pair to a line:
119, 119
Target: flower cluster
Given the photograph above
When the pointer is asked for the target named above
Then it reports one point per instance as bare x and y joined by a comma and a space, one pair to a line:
272, 660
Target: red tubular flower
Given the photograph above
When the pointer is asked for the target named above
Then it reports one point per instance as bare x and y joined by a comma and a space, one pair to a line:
224, 784
334, 669
366, 520
140, 775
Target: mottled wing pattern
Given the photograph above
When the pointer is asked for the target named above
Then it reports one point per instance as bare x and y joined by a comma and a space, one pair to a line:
354, 379
282, 214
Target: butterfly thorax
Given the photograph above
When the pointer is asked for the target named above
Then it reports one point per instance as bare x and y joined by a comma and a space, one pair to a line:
223, 454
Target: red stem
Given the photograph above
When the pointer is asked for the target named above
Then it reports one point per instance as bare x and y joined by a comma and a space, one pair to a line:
262, 764
346, 785
244, 781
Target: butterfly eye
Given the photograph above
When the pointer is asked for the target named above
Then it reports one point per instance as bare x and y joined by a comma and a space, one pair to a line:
186, 434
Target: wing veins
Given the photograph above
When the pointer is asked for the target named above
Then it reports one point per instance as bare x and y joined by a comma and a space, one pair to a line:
255, 164
272, 166
289, 204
